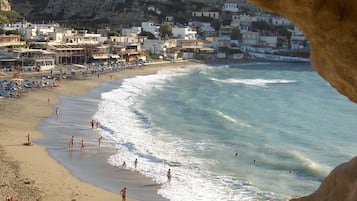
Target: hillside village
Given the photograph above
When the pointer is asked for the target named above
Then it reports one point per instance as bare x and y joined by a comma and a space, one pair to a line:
236, 31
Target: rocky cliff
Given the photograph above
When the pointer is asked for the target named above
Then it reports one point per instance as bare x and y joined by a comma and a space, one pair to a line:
66, 9
331, 27
80, 11
5, 5
339, 185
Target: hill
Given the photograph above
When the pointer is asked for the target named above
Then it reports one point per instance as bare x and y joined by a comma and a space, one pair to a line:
114, 13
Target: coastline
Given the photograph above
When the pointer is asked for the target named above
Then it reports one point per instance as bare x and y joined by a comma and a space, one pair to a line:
34, 174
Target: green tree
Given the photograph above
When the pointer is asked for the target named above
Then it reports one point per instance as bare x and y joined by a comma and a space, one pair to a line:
216, 24
165, 30
261, 25
148, 34
235, 33
113, 33
9, 32
9, 16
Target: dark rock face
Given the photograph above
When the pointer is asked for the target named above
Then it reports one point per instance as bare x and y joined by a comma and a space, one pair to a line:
84, 11
331, 27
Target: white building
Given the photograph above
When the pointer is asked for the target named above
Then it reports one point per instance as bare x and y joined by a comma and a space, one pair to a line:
243, 21
32, 31
297, 40
133, 31
268, 41
58, 35
280, 21
184, 33
151, 27
154, 9
244, 18
34, 59
231, 7
265, 17
169, 18
207, 30
156, 47
124, 39
214, 15
250, 38
83, 38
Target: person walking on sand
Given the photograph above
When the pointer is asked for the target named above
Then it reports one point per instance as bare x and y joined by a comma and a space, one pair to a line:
71, 143
100, 140
82, 145
57, 113
124, 193
169, 176
48, 102
29, 139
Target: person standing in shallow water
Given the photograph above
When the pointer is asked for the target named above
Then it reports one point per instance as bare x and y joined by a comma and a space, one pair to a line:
82, 145
57, 113
92, 124
169, 176
136, 163
100, 140
71, 143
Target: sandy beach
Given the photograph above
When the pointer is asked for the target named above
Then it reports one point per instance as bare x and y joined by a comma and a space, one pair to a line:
28, 172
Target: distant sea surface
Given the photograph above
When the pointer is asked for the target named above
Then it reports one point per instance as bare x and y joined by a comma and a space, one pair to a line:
230, 132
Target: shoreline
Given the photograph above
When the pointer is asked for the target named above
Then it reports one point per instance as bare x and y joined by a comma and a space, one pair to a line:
34, 174
90, 165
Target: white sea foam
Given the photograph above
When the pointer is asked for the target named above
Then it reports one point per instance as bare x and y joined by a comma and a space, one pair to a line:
255, 82
232, 119
130, 130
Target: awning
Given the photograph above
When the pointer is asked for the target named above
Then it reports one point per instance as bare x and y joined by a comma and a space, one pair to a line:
7, 60
114, 56
100, 56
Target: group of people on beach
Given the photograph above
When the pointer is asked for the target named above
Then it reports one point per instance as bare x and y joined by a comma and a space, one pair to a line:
124, 191
168, 174
82, 145
94, 124
71, 144
135, 164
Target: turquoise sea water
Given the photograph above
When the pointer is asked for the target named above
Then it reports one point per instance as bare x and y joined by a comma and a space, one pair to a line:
288, 127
